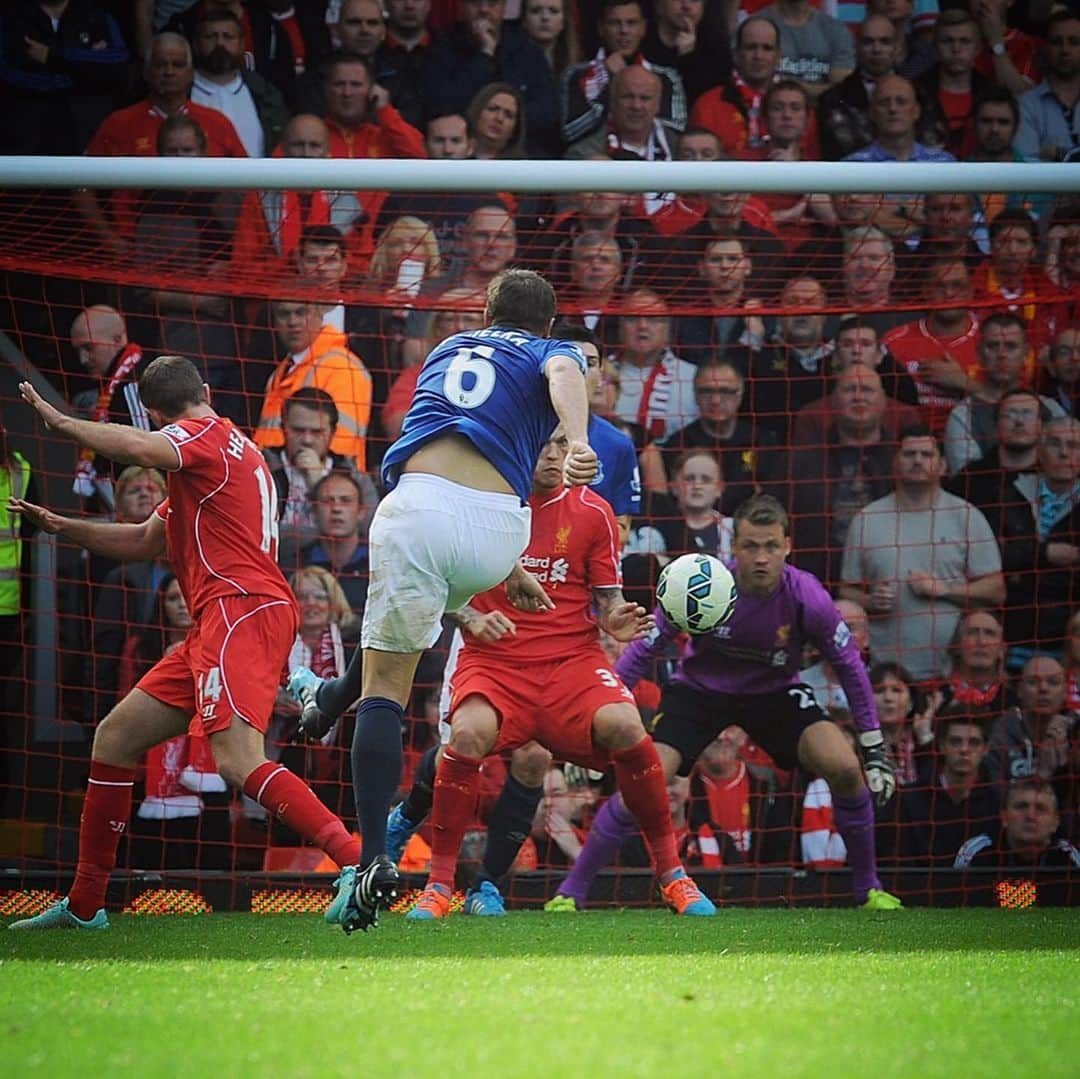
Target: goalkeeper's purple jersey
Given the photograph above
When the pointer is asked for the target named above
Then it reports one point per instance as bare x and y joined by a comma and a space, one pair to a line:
760, 649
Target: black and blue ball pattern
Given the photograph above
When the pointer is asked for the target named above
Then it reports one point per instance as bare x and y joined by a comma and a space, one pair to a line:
696, 592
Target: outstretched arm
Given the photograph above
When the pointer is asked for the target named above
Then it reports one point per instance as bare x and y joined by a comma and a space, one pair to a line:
122, 542
125, 445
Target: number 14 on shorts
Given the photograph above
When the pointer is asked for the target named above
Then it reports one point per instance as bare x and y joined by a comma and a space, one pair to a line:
208, 692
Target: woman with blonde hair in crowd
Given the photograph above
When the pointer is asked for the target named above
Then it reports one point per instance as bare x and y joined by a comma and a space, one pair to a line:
496, 117
406, 254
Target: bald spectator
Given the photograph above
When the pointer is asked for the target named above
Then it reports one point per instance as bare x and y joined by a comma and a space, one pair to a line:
253, 105
99, 336
815, 48
844, 109
586, 88
895, 112
734, 110
271, 223
634, 129
132, 132
481, 49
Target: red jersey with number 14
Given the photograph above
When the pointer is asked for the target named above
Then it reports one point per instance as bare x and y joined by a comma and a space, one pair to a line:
221, 515
574, 548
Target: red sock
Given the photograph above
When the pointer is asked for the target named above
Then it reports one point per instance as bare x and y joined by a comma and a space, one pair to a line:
104, 820
291, 800
640, 777
457, 787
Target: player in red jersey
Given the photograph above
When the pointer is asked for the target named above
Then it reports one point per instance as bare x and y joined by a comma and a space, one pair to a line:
219, 523
546, 677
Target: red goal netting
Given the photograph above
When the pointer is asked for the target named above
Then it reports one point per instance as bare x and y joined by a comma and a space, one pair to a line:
738, 356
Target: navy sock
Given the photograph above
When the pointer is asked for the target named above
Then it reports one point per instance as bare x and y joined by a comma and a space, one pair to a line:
376, 769
336, 694
508, 827
418, 803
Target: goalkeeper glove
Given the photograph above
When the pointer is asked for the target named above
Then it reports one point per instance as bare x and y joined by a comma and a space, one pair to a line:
880, 772
577, 776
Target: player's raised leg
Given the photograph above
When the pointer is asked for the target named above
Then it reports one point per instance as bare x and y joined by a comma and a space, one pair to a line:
136, 724
640, 774
824, 751
474, 729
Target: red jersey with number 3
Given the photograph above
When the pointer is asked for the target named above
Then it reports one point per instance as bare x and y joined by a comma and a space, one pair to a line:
573, 548
221, 515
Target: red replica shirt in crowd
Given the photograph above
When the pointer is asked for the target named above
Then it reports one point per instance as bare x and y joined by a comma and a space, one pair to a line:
574, 548
221, 515
913, 343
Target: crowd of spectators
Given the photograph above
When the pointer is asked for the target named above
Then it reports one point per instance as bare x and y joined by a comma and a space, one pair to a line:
902, 371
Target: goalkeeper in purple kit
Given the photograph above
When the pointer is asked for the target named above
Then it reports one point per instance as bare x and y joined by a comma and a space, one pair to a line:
746, 672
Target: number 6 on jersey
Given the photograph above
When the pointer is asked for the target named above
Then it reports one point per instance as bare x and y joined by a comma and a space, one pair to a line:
477, 363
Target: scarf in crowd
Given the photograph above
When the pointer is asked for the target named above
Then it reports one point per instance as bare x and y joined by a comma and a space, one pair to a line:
326, 659
965, 693
126, 362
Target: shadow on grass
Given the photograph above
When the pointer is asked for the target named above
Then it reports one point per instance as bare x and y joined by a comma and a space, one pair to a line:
245, 937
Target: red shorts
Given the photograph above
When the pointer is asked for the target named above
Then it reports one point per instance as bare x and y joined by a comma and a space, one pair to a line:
230, 664
553, 703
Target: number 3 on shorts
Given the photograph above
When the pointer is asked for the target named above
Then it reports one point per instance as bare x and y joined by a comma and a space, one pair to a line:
475, 362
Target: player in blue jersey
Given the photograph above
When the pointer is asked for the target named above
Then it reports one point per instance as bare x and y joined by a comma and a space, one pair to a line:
746, 672
617, 481
453, 524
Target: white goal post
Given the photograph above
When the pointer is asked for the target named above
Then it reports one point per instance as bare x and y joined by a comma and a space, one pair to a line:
774, 177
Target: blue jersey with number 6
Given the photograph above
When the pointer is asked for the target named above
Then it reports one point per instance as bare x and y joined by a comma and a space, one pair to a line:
489, 386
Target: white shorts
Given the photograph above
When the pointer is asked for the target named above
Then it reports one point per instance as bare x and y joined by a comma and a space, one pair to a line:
435, 544
446, 693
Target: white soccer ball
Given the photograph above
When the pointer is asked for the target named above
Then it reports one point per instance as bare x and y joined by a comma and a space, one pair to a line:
696, 592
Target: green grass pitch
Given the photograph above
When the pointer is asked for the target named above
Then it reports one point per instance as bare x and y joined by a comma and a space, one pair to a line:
830, 993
